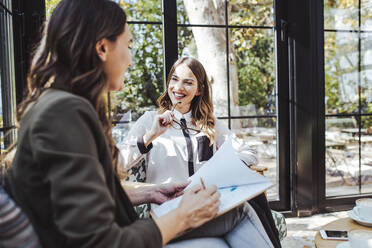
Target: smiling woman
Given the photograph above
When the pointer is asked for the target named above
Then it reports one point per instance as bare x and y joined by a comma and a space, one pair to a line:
172, 153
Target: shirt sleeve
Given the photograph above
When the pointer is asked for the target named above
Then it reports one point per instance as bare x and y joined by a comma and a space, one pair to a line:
245, 153
67, 140
132, 149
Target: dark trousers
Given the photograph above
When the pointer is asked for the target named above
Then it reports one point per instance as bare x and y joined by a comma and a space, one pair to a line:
262, 208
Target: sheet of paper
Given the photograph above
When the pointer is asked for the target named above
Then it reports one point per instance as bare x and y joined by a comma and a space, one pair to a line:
230, 197
235, 181
234, 196
226, 169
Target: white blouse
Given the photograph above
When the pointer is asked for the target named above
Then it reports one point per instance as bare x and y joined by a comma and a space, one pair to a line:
168, 159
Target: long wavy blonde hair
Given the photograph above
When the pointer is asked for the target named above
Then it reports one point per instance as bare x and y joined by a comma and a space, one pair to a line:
201, 105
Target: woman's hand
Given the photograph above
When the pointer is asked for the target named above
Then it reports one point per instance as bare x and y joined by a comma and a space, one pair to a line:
141, 193
199, 206
164, 192
160, 124
196, 207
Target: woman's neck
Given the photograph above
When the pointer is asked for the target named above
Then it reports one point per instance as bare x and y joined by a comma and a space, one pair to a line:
183, 109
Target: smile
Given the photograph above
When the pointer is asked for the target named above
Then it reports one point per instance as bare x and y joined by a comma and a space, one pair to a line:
178, 96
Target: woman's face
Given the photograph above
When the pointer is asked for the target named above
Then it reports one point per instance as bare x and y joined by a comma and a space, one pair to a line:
118, 59
182, 88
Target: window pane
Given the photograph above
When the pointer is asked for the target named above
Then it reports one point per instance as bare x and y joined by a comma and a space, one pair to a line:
142, 10
255, 94
209, 46
204, 12
366, 14
339, 14
366, 154
261, 135
254, 69
342, 156
144, 80
251, 13
7, 76
341, 72
366, 73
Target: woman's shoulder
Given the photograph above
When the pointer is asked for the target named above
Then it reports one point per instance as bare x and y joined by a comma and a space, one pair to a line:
220, 124
148, 116
150, 113
59, 102
63, 98
58, 105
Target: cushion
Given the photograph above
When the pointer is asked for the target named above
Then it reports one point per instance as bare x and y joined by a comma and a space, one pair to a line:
138, 174
280, 224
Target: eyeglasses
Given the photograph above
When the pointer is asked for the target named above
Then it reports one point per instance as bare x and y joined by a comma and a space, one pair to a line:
179, 125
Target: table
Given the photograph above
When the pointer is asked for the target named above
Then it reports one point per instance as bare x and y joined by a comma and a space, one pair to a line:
344, 224
354, 131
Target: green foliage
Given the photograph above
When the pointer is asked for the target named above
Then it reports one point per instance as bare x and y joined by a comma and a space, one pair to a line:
254, 50
341, 55
144, 81
50, 5
255, 68
251, 12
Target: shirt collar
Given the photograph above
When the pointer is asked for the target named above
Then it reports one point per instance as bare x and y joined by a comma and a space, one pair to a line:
179, 116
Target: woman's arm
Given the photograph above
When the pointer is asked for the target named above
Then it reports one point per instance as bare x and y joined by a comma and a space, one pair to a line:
160, 124
132, 149
66, 140
141, 193
139, 139
196, 208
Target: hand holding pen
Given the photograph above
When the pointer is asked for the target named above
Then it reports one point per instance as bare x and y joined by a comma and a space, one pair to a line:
200, 204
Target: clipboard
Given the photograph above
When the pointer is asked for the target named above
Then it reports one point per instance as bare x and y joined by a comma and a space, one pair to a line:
235, 181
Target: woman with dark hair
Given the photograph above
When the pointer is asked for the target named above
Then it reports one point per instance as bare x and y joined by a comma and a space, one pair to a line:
179, 138
64, 173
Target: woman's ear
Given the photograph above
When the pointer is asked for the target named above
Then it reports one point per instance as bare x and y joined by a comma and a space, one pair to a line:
101, 49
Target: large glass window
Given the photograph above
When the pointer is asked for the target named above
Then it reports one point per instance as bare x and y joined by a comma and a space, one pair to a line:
234, 40
348, 96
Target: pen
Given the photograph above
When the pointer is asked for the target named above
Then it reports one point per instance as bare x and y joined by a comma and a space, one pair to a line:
202, 183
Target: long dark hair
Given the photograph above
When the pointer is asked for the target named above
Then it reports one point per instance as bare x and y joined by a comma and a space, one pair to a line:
201, 106
67, 59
